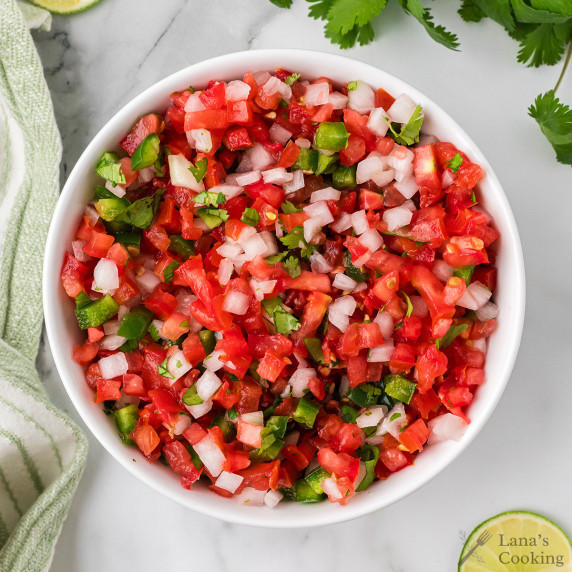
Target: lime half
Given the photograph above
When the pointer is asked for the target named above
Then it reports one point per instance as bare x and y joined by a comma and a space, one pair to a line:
64, 6
516, 541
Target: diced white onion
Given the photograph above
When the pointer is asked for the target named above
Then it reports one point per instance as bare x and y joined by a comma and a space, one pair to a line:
229, 191
279, 134
111, 327
300, 380
317, 94
385, 323
111, 342
262, 287
199, 410
272, 498
362, 98
475, 296
442, 270
407, 186
319, 264
255, 246
184, 422
448, 178
330, 487
117, 190
92, 213
488, 312
402, 109
409, 204
372, 416
372, 240
229, 481
401, 159
327, 194
105, 276
261, 77
254, 418
207, 385
213, 362
246, 234
177, 365
381, 353
343, 222
397, 217
194, 103
236, 302
148, 281
270, 242
229, 250
211, 456
446, 427
180, 174
360, 222
251, 497
303, 143
225, 270
393, 421
373, 164
376, 122
338, 100
481, 345
296, 183
278, 176
244, 179
259, 157
237, 90
344, 282
200, 139
113, 366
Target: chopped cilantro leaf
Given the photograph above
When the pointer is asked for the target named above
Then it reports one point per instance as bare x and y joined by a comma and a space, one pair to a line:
288, 208
250, 217
292, 266
208, 198
293, 78
295, 239
169, 271
162, 370
352, 85
454, 163
199, 170
409, 133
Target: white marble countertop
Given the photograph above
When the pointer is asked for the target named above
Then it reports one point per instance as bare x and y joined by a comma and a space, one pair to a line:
98, 60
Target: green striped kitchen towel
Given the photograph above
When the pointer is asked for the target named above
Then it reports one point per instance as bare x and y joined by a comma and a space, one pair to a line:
42, 453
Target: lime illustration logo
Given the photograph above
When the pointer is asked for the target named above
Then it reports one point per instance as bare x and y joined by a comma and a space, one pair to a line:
516, 541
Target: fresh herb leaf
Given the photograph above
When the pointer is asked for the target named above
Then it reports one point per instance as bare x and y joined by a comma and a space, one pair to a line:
352, 85
276, 258
454, 163
250, 217
470, 11
555, 120
169, 271
109, 169
320, 8
292, 266
424, 17
213, 217
451, 334
282, 3
288, 208
295, 239
284, 322
543, 45
142, 212
199, 170
208, 198
232, 413
409, 133
292, 78
191, 396
162, 370
154, 333
409, 304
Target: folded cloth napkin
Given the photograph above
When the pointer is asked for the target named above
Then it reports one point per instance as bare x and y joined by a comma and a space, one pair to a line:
42, 453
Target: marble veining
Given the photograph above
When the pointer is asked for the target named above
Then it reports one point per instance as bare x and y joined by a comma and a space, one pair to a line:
98, 60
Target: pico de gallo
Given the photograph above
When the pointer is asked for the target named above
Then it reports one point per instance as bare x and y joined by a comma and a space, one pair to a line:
285, 287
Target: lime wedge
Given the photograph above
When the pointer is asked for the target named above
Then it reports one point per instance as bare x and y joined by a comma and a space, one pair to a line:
516, 541
64, 6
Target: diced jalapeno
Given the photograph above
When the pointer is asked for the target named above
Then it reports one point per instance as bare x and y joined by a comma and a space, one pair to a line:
135, 323
465, 273
331, 136
303, 492
146, 153
126, 418
326, 163
208, 340
399, 387
314, 346
315, 478
181, 246
307, 160
344, 177
110, 209
95, 312
306, 412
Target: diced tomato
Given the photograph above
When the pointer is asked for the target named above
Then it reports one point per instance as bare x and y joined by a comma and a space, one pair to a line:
73, 275
311, 281
146, 438
108, 389
426, 175
98, 244
271, 366
85, 353
339, 464
402, 359
386, 286
180, 461
347, 439
393, 459
430, 364
133, 385
261, 476
161, 303
206, 119
354, 151
144, 126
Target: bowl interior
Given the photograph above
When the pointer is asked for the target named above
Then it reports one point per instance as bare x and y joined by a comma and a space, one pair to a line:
63, 332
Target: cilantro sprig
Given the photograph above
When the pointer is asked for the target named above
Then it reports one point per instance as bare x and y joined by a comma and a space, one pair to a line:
208, 198
295, 239
542, 28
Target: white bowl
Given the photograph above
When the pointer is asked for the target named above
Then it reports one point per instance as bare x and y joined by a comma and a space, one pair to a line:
63, 331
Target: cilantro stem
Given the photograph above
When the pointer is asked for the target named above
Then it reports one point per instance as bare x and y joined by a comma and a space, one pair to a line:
563, 72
